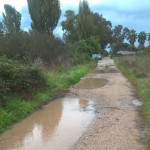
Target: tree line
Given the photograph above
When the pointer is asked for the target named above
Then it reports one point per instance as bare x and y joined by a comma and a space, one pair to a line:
86, 28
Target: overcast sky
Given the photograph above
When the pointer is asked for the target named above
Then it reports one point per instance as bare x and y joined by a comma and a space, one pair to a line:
134, 14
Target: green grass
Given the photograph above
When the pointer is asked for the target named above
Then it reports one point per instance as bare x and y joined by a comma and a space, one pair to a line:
58, 82
138, 74
106, 68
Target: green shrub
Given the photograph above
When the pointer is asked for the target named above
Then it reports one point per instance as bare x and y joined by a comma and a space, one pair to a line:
28, 47
18, 107
94, 45
78, 53
18, 79
136, 68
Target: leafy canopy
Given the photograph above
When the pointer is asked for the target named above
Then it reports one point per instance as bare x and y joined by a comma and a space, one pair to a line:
11, 19
44, 14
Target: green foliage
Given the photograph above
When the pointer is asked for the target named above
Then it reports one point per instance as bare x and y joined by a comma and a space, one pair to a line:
81, 51
102, 29
93, 45
141, 39
132, 38
106, 68
86, 24
78, 53
44, 14
17, 107
118, 39
32, 47
84, 20
6, 119
12, 19
125, 47
69, 27
148, 38
1, 29
137, 69
17, 79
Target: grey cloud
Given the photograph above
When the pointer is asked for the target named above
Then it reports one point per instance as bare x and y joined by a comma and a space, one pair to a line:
137, 18
133, 14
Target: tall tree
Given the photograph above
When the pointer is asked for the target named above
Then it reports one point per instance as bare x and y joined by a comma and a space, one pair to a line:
126, 33
11, 19
148, 38
132, 38
84, 20
1, 29
141, 39
69, 26
118, 38
102, 29
45, 14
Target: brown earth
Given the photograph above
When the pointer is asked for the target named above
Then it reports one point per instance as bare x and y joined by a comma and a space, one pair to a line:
118, 124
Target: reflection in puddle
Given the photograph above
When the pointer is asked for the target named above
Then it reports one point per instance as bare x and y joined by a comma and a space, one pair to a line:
91, 83
111, 70
137, 103
57, 127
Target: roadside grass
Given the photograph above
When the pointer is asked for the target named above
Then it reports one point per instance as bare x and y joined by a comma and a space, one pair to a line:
106, 68
58, 82
137, 69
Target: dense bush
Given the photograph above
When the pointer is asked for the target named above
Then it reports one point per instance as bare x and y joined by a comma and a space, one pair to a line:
18, 79
27, 47
80, 52
138, 63
19, 107
137, 69
93, 45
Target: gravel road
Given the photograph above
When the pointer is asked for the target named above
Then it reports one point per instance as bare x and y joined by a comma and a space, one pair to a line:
118, 124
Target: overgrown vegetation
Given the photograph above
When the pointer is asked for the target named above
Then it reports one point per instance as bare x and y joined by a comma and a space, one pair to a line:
37, 65
18, 79
137, 69
30, 47
17, 105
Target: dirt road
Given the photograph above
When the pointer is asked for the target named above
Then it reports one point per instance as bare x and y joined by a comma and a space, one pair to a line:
99, 113
118, 125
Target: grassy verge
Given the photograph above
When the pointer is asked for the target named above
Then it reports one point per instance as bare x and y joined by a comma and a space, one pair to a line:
138, 74
18, 108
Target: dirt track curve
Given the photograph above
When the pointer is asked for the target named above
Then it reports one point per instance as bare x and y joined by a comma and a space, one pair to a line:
118, 125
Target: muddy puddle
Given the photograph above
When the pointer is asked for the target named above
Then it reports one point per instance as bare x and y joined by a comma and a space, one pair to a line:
105, 71
91, 83
57, 126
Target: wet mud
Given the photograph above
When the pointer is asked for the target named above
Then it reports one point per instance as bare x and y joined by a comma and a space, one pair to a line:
101, 71
55, 127
91, 83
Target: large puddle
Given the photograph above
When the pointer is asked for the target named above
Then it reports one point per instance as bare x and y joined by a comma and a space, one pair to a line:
57, 126
91, 83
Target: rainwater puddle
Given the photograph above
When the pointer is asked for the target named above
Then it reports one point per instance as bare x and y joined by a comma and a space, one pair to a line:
107, 71
137, 103
91, 83
56, 127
